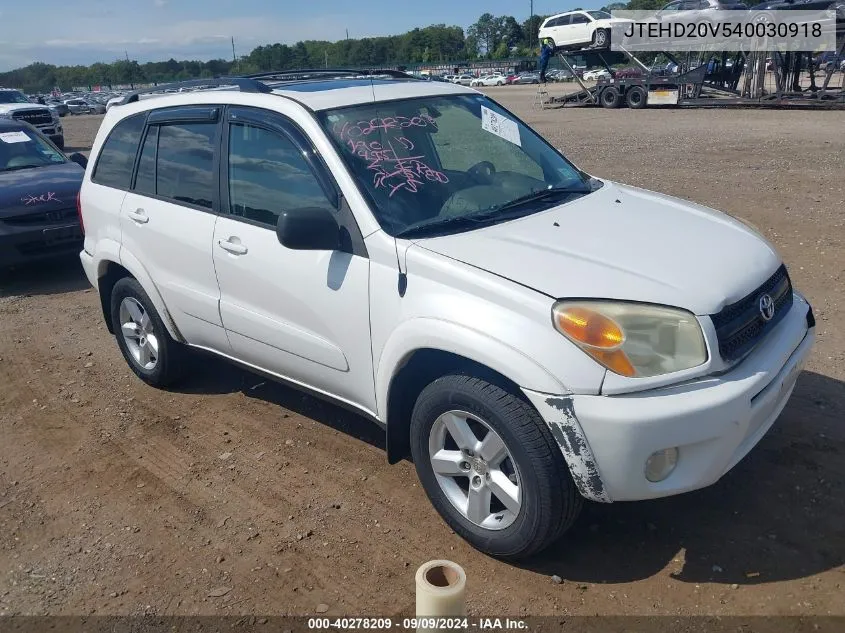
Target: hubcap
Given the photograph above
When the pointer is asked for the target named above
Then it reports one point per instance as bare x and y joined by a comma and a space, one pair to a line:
475, 470
138, 333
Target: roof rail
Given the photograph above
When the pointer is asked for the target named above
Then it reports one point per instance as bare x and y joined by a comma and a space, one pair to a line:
316, 73
245, 84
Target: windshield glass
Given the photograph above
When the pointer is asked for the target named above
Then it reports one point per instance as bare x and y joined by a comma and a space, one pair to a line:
599, 15
13, 96
438, 165
23, 149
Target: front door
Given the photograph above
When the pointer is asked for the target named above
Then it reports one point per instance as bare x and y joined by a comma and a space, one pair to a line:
303, 315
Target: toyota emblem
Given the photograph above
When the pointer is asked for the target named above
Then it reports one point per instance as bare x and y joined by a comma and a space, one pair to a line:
767, 307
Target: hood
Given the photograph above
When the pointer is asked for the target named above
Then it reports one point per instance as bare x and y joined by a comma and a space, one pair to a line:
622, 243
14, 107
39, 189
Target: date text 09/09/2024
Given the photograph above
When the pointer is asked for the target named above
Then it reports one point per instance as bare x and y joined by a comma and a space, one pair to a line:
435, 623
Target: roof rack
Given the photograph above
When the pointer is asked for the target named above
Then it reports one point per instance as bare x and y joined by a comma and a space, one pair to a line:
317, 73
245, 84
256, 82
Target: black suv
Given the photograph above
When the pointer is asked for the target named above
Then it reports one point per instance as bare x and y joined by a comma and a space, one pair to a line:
39, 186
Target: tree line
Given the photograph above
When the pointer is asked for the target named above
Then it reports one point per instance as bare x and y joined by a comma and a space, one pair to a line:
490, 37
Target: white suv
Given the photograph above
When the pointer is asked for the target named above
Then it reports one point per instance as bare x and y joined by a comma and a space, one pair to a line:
578, 29
530, 335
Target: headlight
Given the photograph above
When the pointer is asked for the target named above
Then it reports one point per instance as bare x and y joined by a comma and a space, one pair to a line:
631, 339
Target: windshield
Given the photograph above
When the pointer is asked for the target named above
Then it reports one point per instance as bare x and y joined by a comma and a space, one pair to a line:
600, 15
438, 165
22, 149
13, 96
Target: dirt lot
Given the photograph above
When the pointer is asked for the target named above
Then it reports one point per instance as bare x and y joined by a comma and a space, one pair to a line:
235, 495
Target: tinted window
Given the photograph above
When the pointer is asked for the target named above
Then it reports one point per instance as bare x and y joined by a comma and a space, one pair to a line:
268, 174
114, 165
145, 179
185, 163
579, 18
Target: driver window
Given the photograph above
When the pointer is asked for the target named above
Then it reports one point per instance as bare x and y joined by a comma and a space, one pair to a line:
457, 156
268, 174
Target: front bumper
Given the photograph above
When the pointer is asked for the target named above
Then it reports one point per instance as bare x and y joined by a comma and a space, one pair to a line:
713, 421
37, 241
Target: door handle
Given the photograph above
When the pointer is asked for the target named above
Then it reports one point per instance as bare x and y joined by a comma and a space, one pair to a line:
232, 247
138, 215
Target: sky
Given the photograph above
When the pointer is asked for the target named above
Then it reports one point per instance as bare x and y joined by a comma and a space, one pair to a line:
67, 32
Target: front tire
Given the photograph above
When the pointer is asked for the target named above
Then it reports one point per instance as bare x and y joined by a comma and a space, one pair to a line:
601, 38
143, 340
490, 467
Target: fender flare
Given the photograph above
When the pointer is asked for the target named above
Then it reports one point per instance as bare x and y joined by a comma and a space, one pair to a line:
431, 333
139, 272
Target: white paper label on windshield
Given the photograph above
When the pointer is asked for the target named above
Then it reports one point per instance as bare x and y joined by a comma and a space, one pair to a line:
14, 137
501, 126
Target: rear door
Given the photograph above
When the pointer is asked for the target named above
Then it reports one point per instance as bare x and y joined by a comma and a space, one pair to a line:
169, 214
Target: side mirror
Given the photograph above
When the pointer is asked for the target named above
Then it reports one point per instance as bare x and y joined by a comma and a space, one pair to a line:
308, 229
79, 159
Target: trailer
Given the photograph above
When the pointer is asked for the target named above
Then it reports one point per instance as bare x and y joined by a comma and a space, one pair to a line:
712, 79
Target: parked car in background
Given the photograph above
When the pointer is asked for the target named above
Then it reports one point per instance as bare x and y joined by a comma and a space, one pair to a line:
15, 105
510, 78
463, 80
595, 75
38, 192
496, 79
559, 74
578, 29
83, 106
61, 109
543, 336
526, 78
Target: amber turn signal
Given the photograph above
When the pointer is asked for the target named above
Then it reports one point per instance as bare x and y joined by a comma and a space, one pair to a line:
590, 328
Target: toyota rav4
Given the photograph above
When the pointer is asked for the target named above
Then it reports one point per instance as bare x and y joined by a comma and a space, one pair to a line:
530, 335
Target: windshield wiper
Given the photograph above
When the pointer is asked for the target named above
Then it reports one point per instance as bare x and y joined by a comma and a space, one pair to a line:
542, 194
493, 215
19, 167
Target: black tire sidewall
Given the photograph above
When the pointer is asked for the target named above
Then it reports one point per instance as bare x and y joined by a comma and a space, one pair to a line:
640, 103
598, 35
610, 104
162, 374
517, 538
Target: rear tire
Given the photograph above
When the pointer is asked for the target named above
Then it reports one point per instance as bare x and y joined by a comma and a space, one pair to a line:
146, 345
635, 98
541, 500
610, 98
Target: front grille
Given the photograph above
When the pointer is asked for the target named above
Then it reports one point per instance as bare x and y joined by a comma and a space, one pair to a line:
740, 326
59, 216
39, 116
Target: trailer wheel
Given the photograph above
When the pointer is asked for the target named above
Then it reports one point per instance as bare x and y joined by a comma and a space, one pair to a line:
610, 98
635, 98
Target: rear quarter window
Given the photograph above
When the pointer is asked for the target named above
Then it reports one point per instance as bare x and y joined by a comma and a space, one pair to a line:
117, 158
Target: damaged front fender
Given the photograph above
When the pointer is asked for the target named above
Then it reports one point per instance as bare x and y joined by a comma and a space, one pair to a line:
558, 412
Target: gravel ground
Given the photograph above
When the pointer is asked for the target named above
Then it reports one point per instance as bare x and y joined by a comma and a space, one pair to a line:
232, 495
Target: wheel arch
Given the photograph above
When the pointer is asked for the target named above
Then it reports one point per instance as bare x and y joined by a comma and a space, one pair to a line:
109, 272
424, 349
